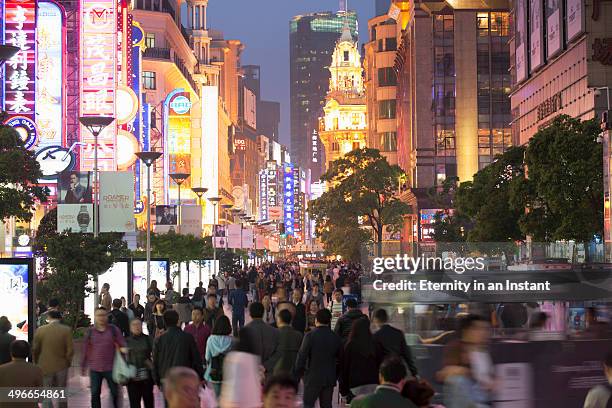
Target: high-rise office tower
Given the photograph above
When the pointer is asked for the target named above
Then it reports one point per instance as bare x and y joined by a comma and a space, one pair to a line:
312, 41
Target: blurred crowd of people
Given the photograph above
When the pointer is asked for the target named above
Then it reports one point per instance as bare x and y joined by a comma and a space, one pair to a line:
263, 336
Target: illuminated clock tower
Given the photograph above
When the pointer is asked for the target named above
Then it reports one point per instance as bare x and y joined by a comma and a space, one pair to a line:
344, 126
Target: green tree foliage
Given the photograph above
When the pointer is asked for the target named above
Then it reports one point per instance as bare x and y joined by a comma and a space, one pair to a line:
71, 260
19, 174
563, 191
362, 187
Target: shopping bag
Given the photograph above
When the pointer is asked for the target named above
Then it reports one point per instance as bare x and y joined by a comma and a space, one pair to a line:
122, 371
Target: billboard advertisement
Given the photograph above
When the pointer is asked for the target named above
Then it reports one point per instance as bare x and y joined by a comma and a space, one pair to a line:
117, 201
520, 39
574, 24
160, 272
165, 215
16, 280
239, 236
177, 133
250, 108
191, 220
219, 236
49, 95
98, 78
536, 35
20, 70
117, 276
554, 28
75, 188
210, 146
288, 198
75, 218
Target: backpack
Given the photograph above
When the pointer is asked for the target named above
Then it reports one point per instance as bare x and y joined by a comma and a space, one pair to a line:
216, 367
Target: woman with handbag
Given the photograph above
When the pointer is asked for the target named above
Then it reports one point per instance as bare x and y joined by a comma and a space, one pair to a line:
140, 347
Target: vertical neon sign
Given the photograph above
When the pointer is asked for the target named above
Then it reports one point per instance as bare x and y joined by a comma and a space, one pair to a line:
177, 132
20, 70
49, 90
98, 78
288, 203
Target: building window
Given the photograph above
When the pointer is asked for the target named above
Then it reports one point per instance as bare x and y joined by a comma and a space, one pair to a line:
388, 141
150, 40
335, 147
391, 44
356, 146
387, 77
148, 80
346, 56
386, 109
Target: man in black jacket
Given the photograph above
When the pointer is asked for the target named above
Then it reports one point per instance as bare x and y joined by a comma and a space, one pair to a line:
264, 336
174, 348
119, 318
392, 340
289, 342
316, 361
345, 322
299, 321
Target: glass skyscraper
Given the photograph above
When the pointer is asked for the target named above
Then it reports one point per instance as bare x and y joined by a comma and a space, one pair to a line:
312, 39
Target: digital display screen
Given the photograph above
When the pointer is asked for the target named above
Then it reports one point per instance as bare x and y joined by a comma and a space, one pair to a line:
15, 278
194, 274
159, 272
117, 278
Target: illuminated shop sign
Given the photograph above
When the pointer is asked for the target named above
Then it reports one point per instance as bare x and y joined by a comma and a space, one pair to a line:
263, 195
239, 144
271, 182
315, 146
297, 202
288, 203
178, 137
49, 96
26, 129
20, 71
98, 78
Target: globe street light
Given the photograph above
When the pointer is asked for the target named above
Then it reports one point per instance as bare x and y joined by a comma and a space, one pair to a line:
214, 201
148, 158
179, 178
95, 125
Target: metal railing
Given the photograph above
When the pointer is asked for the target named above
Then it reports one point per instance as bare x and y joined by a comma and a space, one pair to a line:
158, 53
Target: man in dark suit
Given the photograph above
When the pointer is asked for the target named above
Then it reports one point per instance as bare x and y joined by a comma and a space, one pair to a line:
174, 348
392, 376
19, 373
119, 318
316, 361
264, 336
289, 344
392, 340
299, 321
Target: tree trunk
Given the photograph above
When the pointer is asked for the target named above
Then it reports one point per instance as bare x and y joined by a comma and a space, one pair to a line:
379, 234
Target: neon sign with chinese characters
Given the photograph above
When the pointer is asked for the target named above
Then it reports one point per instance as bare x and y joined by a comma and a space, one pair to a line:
178, 137
288, 204
98, 77
49, 112
20, 75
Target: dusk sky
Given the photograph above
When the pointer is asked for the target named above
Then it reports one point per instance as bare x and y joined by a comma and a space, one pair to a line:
263, 26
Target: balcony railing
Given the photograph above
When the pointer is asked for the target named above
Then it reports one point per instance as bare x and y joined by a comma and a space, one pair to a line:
158, 53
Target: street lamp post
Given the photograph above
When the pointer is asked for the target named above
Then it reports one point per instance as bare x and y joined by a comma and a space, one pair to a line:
214, 201
199, 191
95, 125
148, 158
179, 179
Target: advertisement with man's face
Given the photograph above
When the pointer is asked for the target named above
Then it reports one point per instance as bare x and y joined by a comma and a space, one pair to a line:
165, 214
75, 188
15, 294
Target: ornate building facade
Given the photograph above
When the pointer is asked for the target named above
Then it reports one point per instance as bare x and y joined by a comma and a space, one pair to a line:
344, 125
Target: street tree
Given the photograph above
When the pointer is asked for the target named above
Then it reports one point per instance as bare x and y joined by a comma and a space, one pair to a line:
362, 191
19, 175
563, 192
71, 260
